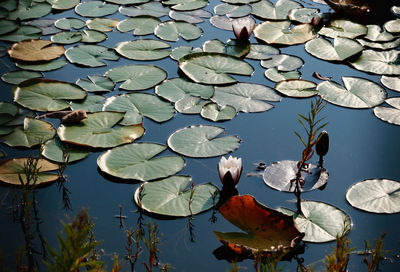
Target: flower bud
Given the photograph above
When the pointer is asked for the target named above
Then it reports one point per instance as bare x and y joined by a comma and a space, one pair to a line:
322, 146
230, 170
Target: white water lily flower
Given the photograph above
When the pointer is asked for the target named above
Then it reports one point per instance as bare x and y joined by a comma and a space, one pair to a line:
230, 170
243, 27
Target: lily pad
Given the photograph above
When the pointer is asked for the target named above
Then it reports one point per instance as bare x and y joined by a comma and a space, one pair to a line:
186, 4
29, 10
356, 93
274, 75
304, 15
92, 36
100, 130
23, 32
222, 22
181, 51
283, 33
33, 132
375, 195
380, 45
137, 77
102, 24
13, 169
141, 25
137, 104
296, 88
231, 47
63, 4
190, 104
95, 9
232, 11
201, 142
66, 37
215, 113
261, 51
7, 26
392, 83
8, 112
143, 49
282, 62
376, 34
246, 97
43, 67
16, 77
266, 10
155, 9
90, 55
393, 26
341, 49
171, 197
265, 229
137, 161
96, 84
193, 17
127, 2
46, 25
176, 88
92, 103
213, 68
343, 28
172, 30
389, 114
281, 176
46, 94
69, 23
381, 63
321, 222
54, 150
35, 50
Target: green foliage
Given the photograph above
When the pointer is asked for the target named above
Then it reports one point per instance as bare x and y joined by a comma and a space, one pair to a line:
373, 256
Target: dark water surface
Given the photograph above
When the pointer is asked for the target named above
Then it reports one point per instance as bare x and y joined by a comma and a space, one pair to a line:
362, 147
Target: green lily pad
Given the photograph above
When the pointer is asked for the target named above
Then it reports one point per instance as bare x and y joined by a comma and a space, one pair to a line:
266, 10
212, 112
42, 67
143, 49
102, 24
29, 10
155, 9
69, 23
137, 161
356, 93
190, 104
392, 83
136, 104
90, 55
240, 1
381, 63
246, 97
23, 32
8, 112
16, 77
33, 132
100, 130
93, 36
321, 222
13, 169
231, 47
127, 2
181, 51
222, 22
7, 26
54, 150
201, 142
282, 62
172, 30
341, 49
389, 114
46, 94
261, 51
376, 34
186, 4
141, 25
95, 9
393, 26
92, 103
343, 28
375, 195
213, 68
176, 88
303, 15
96, 84
66, 37
193, 16
232, 11
274, 75
46, 25
171, 197
380, 45
137, 77
283, 33
296, 88
63, 4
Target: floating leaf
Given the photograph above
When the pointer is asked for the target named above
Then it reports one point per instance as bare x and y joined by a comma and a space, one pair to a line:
382, 63
102, 24
261, 51
190, 104
246, 97
213, 68
93, 36
137, 161
54, 150
23, 32
232, 11
186, 4
282, 175
376, 34
201, 142
266, 10
34, 132
170, 197
92, 103
265, 229
303, 15
13, 169
296, 88
382, 46
343, 28
137, 77
90, 55
171, 31
16, 77
127, 2
176, 88
212, 112
375, 195
29, 10
389, 114
63, 4
69, 23
43, 67
392, 83
341, 49
356, 93
193, 17
232, 47
95, 9
180, 51
7, 26
274, 75
155, 9
282, 62
8, 112
239, 1
143, 49
321, 222
221, 22
141, 25
96, 84
137, 104
46, 25
393, 26
282, 33
99, 130
67, 37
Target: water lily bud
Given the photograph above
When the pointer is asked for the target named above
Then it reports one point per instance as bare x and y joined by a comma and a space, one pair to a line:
322, 146
230, 170
243, 27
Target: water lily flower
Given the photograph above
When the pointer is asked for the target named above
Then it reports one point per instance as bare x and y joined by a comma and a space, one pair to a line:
243, 27
230, 170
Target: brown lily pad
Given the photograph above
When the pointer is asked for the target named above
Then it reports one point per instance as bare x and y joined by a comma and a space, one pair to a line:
35, 50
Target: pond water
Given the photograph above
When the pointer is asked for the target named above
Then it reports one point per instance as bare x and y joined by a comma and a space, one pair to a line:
361, 147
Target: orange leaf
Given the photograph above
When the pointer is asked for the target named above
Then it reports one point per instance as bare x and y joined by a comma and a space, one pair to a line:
35, 50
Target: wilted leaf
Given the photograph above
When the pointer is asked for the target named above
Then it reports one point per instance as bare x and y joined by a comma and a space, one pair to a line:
35, 50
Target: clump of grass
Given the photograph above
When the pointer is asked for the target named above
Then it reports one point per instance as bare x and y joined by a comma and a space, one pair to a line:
374, 256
